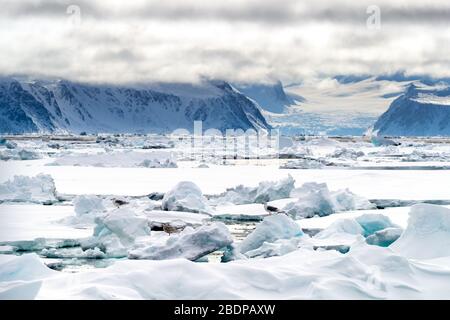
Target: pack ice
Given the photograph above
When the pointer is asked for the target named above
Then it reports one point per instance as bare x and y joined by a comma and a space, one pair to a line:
316, 199
190, 244
185, 196
38, 189
427, 235
271, 229
265, 191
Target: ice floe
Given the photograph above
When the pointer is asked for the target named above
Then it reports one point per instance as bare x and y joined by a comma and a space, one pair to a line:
190, 244
316, 199
88, 205
271, 229
22, 154
37, 189
117, 231
185, 196
147, 159
265, 191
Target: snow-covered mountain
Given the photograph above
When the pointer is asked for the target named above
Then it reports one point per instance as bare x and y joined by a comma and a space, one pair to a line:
271, 97
420, 111
52, 106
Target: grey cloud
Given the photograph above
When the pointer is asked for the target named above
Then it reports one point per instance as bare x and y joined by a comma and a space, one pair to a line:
247, 40
247, 11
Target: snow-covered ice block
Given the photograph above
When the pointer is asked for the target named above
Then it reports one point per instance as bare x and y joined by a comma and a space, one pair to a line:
24, 267
385, 237
346, 153
88, 204
382, 141
265, 191
190, 244
316, 199
312, 199
342, 232
159, 217
272, 249
232, 253
347, 226
372, 223
307, 163
76, 253
8, 144
185, 196
427, 235
345, 200
38, 189
158, 163
15, 154
271, 229
242, 212
117, 231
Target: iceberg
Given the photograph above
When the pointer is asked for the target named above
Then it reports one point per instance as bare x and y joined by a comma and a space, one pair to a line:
39, 189
271, 229
190, 244
14, 154
117, 231
185, 196
88, 205
316, 199
265, 191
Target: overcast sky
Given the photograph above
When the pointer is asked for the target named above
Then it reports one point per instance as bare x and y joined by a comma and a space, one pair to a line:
238, 40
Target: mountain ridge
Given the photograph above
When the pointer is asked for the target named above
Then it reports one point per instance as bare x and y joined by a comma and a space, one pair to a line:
65, 106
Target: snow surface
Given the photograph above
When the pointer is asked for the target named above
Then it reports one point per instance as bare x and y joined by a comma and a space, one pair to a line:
366, 272
428, 233
28, 222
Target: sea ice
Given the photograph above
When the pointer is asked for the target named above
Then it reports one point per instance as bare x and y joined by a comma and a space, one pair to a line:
372, 223
427, 235
272, 249
117, 231
385, 237
38, 189
158, 163
346, 226
346, 153
316, 199
265, 191
88, 205
130, 159
185, 196
272, 228
190, 244
22, 154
